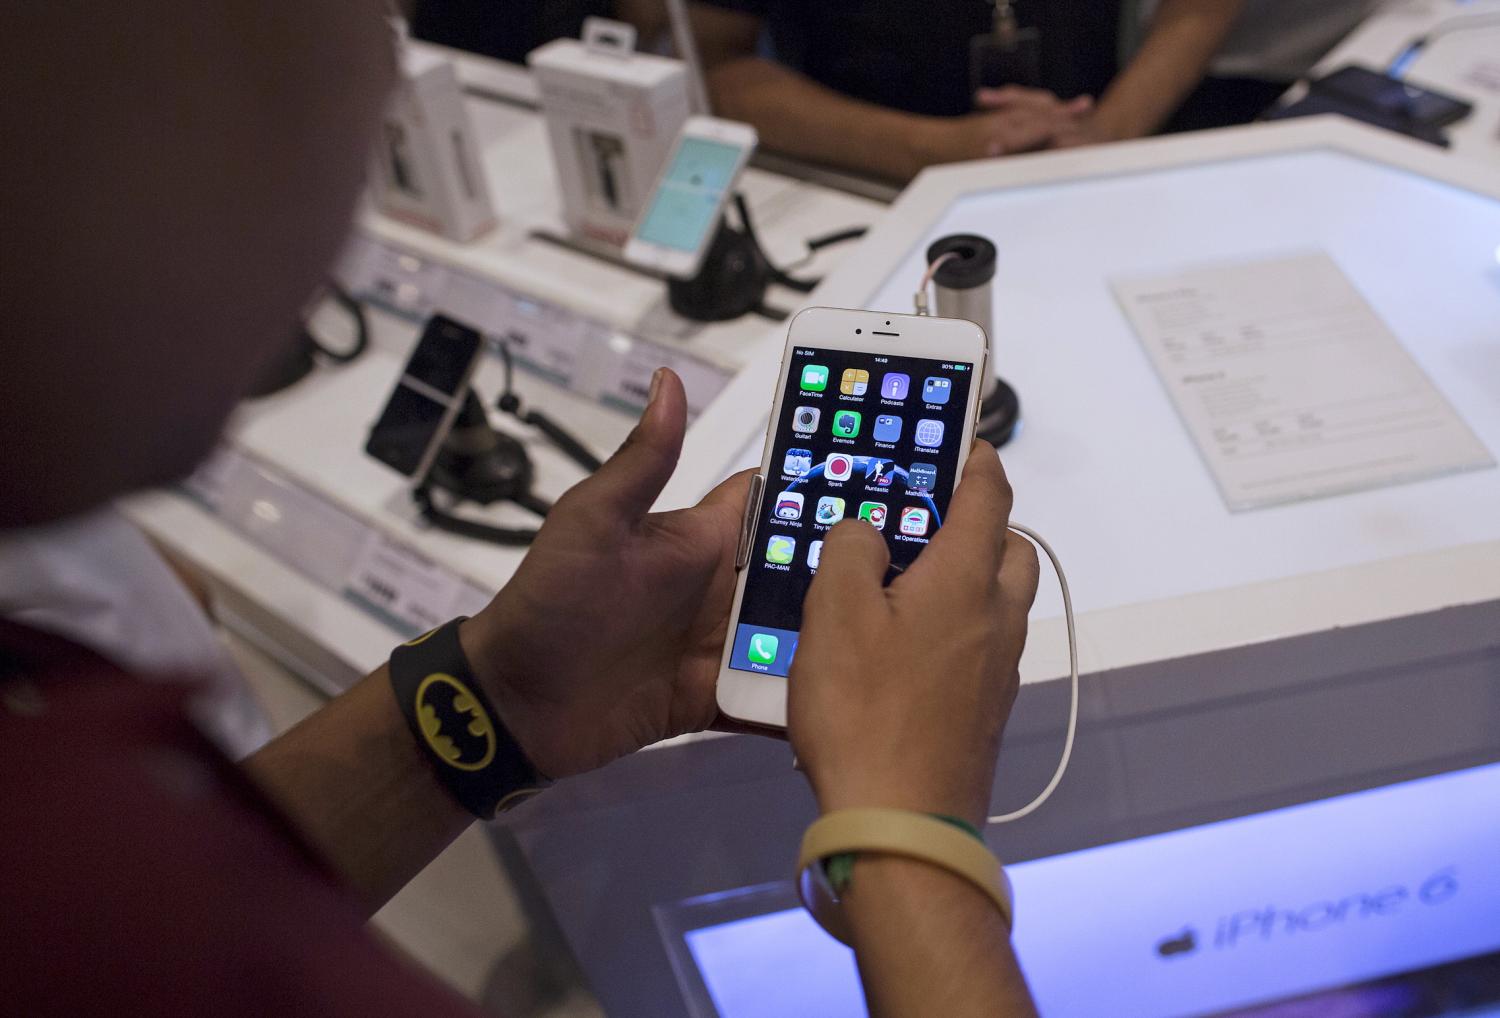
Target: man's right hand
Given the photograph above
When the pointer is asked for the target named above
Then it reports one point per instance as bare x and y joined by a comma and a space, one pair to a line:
1006, 121
898, 694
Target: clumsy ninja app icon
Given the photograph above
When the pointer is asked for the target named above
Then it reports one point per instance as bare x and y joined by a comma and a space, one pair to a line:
789, 505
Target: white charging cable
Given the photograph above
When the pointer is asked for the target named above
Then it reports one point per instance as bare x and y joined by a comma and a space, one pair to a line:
919, 300
1067, 752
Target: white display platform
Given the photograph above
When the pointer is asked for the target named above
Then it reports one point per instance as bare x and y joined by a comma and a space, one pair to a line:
1160, 569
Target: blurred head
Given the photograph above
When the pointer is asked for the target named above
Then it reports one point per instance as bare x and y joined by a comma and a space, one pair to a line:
176, 177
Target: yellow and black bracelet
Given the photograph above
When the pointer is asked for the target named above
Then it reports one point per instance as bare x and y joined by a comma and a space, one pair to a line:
471, 751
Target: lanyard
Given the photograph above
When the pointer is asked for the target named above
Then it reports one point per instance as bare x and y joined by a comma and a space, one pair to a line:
1004, 27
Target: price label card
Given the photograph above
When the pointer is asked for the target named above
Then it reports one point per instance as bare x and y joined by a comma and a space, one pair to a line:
405, 590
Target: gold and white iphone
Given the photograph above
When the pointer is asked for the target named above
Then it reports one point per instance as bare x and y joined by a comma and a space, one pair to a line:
872, 419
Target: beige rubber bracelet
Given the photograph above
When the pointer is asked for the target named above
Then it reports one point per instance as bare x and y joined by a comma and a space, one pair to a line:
893, 832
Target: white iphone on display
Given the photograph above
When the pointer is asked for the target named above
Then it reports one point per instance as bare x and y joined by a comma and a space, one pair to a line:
873, 418
682, 216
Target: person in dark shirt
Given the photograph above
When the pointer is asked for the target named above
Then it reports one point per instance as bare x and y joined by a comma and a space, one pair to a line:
180, 176
887, 88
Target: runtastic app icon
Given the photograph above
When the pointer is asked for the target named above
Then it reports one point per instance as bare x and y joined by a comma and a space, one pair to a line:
789, 505
921, 478
814, 377
929, 433
887, 428
879, 472
937, 389
895, 385
805, 420
846, 423
797, 461
914, 521
856, 382
830, 510
763, 648
874, 513
838, 466
781, 550
814, 554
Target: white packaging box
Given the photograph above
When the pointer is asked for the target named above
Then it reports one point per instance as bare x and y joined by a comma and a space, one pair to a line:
612, 117
427, 170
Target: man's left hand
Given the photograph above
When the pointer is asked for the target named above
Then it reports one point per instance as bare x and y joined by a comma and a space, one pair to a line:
609, 636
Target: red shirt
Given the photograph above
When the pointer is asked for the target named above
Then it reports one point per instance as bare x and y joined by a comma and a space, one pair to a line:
141, 874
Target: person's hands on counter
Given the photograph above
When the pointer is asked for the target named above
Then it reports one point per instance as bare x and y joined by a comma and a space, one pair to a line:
609, 636
899, 693
1006, 121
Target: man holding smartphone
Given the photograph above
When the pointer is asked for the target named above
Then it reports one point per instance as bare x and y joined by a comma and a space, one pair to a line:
140, 872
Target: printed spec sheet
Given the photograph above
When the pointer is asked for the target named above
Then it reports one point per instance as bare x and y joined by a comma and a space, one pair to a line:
1290, 384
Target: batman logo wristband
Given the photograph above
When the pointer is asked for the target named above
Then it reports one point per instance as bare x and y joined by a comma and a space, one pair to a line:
470, 750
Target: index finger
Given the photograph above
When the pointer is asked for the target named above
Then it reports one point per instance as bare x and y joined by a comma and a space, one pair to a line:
968, 547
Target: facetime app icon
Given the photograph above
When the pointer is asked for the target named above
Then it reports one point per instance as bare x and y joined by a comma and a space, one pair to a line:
814, 377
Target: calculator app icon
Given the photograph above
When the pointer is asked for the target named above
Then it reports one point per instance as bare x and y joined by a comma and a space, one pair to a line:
856, 382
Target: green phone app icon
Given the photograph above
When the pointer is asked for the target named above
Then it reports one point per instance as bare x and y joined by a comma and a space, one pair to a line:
814, 377
846, 423
763, 647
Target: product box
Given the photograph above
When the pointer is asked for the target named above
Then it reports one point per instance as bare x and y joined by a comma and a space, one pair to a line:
427, 169
612, 116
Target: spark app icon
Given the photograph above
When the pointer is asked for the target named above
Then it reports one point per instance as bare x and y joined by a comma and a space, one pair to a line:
763, 648
887, 428
846, 423
873, 513
797, 462
815, 377
856, 382
838, 467
780, 550
789, 505
895, 385
814, 554
929, 433
921, 478
914, 521
830, 511
936, 389
879, 472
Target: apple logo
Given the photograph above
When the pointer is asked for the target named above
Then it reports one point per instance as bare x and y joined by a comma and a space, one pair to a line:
1185, 942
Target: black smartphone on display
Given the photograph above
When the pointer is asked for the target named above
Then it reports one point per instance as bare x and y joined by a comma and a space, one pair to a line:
1391, 97
427, 398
